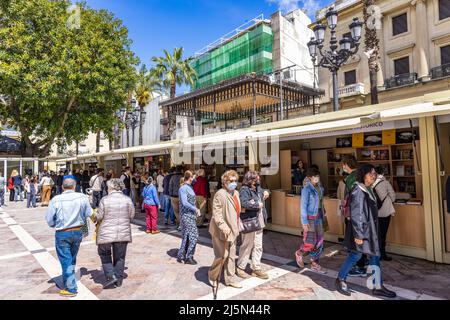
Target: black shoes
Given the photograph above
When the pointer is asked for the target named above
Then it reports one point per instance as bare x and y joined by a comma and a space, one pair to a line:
119, 282
190, 261
110, 281
384, 292
179, 260
385, 258
342, 288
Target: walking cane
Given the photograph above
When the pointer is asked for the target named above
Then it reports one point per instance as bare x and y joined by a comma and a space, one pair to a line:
222, 262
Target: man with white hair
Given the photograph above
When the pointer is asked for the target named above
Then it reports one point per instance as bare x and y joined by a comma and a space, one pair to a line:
67, 213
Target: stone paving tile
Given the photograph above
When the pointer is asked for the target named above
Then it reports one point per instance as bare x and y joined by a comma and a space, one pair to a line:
23, 278
9, 243
153, 272
305, 286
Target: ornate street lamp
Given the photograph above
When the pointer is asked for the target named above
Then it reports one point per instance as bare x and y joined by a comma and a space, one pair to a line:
333, 58
132, 118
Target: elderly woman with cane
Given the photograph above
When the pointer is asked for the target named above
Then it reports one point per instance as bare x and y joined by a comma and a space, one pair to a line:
224, 231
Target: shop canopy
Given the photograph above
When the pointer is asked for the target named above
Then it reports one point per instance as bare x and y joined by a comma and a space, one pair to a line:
130, 150
433, 104
429, 105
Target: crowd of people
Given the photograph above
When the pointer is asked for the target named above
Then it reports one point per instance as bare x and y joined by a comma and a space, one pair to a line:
111, 201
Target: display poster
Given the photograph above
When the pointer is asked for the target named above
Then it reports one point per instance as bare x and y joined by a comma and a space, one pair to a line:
388, 136
358, 140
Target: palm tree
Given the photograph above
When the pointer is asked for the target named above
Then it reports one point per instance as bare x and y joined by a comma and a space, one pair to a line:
372, 46
173, 70
146, 88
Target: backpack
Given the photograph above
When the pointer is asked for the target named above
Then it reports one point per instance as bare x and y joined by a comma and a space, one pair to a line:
345, 208
379, 201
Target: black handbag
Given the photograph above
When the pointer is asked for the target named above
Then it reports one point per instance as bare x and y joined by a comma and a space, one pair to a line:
249, 223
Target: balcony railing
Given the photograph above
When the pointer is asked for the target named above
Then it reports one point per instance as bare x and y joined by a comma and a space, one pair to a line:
351, 90
401, 80
441, 71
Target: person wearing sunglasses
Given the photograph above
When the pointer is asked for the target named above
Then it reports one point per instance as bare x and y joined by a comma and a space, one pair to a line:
361, 237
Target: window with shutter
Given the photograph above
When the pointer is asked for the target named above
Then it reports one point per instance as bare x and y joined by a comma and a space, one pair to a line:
401, 66
445, 54
350, 77
399, 24
444, 9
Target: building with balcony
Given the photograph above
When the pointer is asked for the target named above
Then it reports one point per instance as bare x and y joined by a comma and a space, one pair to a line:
414, 51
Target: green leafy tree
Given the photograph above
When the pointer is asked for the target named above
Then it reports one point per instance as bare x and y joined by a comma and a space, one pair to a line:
63, 73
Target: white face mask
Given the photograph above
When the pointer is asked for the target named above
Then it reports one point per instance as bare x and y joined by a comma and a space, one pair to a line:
315, 180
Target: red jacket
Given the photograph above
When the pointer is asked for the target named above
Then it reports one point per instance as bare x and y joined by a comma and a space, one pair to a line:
200, 187
10, 183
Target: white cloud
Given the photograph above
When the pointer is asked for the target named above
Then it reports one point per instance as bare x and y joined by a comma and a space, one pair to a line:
311, 6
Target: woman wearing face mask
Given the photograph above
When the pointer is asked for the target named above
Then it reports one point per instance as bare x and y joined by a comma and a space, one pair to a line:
252, 197
188, 215
312, 216
224, 230
361, 236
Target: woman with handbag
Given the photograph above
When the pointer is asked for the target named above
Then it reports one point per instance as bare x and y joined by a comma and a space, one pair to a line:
312, 219
188, 220
251, 226
114, 215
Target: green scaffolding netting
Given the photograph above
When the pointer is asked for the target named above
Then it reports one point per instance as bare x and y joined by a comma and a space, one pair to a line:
250, 52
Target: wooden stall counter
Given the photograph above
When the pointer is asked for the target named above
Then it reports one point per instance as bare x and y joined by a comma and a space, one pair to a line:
406, 231
286, 214
407, 227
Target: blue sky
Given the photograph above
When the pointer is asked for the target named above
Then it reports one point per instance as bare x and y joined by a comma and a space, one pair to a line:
155, 25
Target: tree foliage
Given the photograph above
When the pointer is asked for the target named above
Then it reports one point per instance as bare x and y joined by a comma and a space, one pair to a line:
174, 70
60, 82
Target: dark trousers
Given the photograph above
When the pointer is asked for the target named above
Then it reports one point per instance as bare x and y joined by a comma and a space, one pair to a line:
112, 256
361, 264
11, 195
31, 200
383, 226
96, 197
2, 196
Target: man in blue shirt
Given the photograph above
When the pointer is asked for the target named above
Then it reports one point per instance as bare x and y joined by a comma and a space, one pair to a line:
67, 213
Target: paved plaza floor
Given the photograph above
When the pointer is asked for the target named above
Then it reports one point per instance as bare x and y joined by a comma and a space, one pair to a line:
29, 268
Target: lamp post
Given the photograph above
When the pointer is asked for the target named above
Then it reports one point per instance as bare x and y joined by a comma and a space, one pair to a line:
132, 118
333, 58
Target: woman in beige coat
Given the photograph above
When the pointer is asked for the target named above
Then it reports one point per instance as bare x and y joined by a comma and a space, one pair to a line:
224, 230
114, 215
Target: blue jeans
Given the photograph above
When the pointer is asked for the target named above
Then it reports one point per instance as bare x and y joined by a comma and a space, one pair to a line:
168, 209
126, 192
67, 244
59, 190
352, 259
17, 193
31, 199
78, 188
